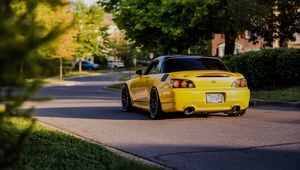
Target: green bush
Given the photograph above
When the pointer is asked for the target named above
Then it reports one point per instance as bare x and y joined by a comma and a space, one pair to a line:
44, 68
269, 68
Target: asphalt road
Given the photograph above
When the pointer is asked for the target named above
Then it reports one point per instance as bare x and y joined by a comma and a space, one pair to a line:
265, 138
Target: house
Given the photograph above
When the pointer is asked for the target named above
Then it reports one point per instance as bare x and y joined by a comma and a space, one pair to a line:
242, 44
296, 43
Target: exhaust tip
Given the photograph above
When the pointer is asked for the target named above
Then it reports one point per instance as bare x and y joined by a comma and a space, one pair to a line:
189, 110
236, 109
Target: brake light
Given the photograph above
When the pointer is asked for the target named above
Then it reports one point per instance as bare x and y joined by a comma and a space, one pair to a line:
242, 82
181, 83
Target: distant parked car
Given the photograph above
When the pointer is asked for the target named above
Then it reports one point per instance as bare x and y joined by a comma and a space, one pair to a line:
115, 63
86, 65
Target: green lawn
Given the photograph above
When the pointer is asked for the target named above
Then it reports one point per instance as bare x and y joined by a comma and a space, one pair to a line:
52, 149
70, 74
116, 86
77, 73
127, 77
286, 95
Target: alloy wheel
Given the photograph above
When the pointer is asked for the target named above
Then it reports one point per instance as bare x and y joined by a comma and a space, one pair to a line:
125, 99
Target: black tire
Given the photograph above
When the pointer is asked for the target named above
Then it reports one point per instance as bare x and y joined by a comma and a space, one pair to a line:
238, 113
126, 99
155, 105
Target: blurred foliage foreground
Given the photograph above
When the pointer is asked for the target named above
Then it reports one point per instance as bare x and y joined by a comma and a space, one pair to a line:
20, 36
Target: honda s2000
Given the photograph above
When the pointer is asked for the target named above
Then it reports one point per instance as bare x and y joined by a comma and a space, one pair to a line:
188, 84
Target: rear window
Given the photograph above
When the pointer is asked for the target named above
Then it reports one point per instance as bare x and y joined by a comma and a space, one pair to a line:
186, 64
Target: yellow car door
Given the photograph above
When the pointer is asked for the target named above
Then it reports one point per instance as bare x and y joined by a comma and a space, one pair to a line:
149, 79
136, 89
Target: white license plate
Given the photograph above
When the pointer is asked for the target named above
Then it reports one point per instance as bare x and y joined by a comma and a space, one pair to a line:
214, 98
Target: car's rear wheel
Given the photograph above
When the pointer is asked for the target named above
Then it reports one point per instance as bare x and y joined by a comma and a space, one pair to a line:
126, 100
155, 105
237, 113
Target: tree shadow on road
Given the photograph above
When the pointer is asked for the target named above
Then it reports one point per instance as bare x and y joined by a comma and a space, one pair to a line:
110, 112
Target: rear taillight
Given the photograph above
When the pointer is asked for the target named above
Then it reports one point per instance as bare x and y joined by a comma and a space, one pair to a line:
181, 83
242, 82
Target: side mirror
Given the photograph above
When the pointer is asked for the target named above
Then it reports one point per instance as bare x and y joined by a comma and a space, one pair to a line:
139, 72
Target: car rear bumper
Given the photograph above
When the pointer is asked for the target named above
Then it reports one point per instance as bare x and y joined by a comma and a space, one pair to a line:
177, 100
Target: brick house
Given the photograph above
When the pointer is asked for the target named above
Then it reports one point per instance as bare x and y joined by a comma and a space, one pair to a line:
242, 44
296, 43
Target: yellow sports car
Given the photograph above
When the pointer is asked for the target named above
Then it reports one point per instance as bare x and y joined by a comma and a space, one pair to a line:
188, 84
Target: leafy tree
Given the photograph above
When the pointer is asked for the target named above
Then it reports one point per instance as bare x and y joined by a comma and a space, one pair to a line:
176, 25
170, 26
92, 33
120, 48
20, 35
281, 21
64, 47
288, 20
234, 17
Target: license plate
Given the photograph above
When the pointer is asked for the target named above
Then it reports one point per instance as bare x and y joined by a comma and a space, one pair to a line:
214, 98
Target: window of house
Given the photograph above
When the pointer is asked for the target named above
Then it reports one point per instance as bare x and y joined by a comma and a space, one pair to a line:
247, 34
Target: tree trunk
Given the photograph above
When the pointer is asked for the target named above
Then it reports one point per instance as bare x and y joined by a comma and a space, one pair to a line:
282, 42
230, 37
60, 68
80, 66
230, 34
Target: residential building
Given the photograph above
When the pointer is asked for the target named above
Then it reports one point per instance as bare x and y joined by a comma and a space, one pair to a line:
242, 44
296, 43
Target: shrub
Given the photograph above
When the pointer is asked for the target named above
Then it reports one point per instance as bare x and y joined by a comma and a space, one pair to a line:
269, 68
21, 35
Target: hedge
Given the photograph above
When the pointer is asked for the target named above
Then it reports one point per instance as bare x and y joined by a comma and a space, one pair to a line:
268, 68
45, 68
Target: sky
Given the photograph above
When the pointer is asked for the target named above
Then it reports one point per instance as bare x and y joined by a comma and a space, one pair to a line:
89, 1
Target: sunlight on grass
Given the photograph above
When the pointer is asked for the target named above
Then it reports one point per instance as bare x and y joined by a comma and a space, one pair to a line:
127, 77
71, 74
77, 73
51, 149
116, 86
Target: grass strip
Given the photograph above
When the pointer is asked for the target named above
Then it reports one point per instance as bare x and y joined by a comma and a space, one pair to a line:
116, 86
51, 149
82, 73
70, 74
127, 77
283, 95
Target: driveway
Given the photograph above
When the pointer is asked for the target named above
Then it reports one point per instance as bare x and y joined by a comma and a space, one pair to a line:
265, 138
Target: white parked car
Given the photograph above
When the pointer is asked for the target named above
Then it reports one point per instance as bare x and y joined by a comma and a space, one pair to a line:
115, 63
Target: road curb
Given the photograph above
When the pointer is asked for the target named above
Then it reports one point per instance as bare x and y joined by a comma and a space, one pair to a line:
65, 83
258, 102
113, 150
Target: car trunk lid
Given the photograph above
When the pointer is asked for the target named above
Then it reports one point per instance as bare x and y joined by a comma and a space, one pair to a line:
210, 79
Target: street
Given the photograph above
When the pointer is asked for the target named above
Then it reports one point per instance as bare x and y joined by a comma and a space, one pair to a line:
265, 138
